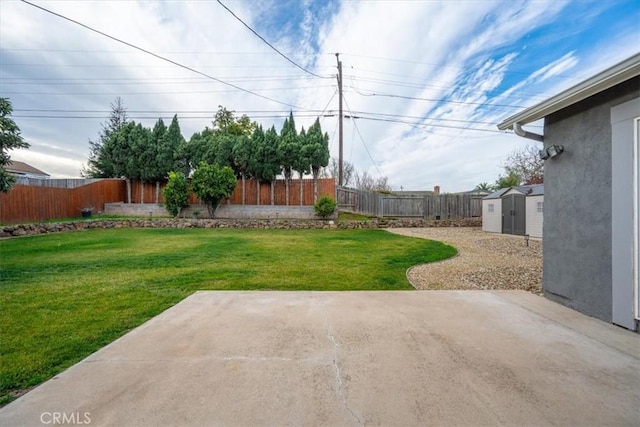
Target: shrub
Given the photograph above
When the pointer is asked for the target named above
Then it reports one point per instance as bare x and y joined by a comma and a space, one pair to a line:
176, 193
325, 206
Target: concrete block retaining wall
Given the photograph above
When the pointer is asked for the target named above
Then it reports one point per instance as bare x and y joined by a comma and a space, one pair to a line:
223, 211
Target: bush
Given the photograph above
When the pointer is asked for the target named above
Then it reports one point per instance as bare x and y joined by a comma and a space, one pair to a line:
176, 193
324, 207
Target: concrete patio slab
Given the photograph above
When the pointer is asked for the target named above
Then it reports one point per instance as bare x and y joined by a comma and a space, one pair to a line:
351, 358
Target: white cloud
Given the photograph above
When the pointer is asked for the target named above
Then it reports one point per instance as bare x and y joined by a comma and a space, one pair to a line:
55, 165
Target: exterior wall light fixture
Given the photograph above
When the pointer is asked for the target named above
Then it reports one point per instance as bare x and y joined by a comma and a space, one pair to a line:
551, 152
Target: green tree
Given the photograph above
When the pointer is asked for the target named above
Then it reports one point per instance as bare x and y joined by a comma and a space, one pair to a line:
116, 153
288, 150
225, 121
176, 193
484, 186
243, 150
10, 139
256, 165
200, 149
141, 154
221, 149
317, 152
155, 162
270, 159
117, 120
512, 179
302, 163
212, 184
170, 147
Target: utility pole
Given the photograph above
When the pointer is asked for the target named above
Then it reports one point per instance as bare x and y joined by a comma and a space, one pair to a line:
340, 164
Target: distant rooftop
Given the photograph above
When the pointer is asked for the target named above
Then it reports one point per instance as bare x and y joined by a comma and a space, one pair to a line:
23, 169
415, 193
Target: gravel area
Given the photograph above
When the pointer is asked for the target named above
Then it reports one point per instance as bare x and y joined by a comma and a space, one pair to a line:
484, 261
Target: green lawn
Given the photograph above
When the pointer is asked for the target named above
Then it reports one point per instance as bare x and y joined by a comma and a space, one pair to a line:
66, 295
350, 216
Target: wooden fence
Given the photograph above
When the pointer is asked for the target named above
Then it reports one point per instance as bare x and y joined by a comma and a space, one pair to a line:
31, 203
442, 206
41, 200
326, 186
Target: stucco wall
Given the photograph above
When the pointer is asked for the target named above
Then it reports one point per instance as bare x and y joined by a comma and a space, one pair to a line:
492, 221
534, 218
577, 214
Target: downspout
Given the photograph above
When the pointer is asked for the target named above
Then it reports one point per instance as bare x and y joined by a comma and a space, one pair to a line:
517, 128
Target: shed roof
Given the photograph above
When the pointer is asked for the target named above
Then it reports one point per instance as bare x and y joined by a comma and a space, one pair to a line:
527, 190
496, 194
610, 77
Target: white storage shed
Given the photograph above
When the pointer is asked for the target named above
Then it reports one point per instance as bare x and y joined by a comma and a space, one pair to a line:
515, 210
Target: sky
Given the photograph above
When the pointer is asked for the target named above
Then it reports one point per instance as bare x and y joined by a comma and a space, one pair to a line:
425, 82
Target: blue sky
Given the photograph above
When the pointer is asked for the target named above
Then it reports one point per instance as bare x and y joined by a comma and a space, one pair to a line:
428, 80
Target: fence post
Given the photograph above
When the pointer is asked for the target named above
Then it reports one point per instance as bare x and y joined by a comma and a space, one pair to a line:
424, 207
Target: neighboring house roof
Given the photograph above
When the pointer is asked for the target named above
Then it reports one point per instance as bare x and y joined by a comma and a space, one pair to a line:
527, 190
20, 168
534, 190
621, 72
476, 192
410, 193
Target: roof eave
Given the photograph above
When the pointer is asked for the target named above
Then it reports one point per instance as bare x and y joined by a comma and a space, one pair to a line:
610, 77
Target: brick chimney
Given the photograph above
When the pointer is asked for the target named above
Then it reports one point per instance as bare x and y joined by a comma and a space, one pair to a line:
436, 190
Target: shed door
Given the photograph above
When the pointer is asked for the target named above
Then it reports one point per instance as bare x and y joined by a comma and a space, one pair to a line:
513, 218
625, 213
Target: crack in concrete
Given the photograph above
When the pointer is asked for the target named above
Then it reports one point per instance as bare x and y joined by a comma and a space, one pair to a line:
336, 368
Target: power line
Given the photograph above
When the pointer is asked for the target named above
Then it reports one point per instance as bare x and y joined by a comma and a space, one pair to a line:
182, 92
155, 117
167, 111
151, 81
265, 116
400, 116
564, 76
322, 115
325, 112
59, 80
185, 52
423, 85
362, 139
450, 101
269, 44
418, 124
20, 64
157, 56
